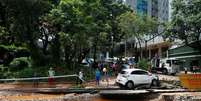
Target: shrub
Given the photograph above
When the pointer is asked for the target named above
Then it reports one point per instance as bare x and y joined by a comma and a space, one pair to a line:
143, 64
26, 72
19, 64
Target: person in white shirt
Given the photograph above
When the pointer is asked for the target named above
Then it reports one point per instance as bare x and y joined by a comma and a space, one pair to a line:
81, 76
51, 74
105, 73
185, 70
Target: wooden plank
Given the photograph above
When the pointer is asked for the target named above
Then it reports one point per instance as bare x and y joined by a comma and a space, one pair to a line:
102, 91
58, 90
136, 92
123, 92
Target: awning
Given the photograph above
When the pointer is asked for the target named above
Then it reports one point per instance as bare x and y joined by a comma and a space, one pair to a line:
183, 57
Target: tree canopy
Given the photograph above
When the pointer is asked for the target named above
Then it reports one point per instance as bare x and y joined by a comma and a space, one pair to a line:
60, 31
136, 27
186, 22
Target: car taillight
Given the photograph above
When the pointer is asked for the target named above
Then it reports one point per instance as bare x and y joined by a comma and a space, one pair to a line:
149, 74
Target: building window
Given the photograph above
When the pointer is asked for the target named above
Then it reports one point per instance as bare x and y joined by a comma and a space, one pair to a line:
142, 6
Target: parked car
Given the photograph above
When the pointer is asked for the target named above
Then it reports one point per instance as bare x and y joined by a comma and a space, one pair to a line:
87, 62
125, 66
131, 78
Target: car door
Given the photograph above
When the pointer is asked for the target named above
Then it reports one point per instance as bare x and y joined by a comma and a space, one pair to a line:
146, 79
140, 77
136, 77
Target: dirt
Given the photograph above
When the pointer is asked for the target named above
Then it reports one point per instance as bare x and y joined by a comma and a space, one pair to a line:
20, 96
168, 77
187, 96
28, 97
31, 85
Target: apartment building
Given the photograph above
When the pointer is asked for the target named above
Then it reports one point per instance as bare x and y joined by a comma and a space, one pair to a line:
160, 10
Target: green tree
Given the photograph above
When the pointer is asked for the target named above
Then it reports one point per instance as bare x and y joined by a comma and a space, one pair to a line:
21, 18
86, 24
71, 27
65, 29
186, 22
136, 27
106, 20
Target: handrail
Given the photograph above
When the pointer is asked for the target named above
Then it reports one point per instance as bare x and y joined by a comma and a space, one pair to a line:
40, 78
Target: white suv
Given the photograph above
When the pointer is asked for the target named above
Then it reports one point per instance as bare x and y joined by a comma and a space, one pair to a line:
133, 77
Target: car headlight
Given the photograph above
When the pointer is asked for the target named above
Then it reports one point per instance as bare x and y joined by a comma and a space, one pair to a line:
125, 76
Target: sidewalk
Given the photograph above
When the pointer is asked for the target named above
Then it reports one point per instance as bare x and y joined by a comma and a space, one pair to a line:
103, 84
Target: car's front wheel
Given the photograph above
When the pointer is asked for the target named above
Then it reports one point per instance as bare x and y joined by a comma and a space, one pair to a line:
130, 85
154, 83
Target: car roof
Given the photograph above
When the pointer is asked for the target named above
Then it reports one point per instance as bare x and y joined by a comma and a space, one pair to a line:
133, 69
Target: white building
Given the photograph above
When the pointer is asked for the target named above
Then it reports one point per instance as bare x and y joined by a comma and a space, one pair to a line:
160, 10
154, 8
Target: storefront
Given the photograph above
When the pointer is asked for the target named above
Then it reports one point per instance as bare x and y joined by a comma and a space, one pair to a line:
190, 57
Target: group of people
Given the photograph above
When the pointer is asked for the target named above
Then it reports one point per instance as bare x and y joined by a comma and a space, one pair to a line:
102, 72
51, 74
98, 75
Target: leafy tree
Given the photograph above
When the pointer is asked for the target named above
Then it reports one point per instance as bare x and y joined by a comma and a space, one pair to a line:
107, 23
56, 30
136, 27
21, 18
4, 36
186, 22
84, 25
70, 26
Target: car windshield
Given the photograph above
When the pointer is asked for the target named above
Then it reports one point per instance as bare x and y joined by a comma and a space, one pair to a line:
123, 72
125, 66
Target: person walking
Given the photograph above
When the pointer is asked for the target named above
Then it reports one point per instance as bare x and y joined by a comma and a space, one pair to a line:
81, 77
35, 81
105, 73
51, 73
97, 76
185, 70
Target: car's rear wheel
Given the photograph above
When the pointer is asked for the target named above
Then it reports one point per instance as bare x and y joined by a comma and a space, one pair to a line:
130, 85
165, 71
154, 83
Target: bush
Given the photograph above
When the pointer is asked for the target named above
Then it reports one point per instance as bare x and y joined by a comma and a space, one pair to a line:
13, 48
19, 64
143, 64
26, 72
41, 71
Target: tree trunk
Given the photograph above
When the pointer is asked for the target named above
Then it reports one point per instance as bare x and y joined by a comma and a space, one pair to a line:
55, 50
125, 49
2, 15
140, 50
95, 49
45, 41
37, 57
